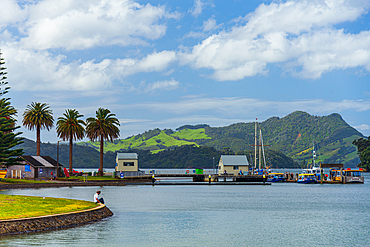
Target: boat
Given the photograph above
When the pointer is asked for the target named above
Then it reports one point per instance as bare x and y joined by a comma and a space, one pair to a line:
347, 175
262, 167
307, 178
315, 168
275, 177
3, 173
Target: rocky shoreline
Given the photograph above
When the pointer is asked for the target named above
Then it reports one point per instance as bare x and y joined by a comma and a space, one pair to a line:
53, 222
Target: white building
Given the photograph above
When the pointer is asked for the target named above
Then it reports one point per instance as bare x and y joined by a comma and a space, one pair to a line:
233, 164
127, 162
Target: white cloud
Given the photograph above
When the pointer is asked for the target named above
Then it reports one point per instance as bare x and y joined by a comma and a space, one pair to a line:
156, 61
154, 87
41, 71
325, 50
297, 34
80, 24
162, 85
197, 8
210, 24
11, 13
362, 127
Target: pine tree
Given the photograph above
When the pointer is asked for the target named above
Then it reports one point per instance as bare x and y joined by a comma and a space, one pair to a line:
9, 155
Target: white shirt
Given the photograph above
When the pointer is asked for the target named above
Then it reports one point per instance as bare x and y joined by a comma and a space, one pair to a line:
96, 197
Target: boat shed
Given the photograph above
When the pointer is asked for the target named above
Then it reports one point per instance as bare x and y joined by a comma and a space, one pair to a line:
34, 167
233, 164
127, 162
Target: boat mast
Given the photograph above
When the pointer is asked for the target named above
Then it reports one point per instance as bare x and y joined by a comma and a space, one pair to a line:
263, 150
255, 144
259, 152
313, 154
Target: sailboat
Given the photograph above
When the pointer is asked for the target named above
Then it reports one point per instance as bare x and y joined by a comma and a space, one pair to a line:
261, 169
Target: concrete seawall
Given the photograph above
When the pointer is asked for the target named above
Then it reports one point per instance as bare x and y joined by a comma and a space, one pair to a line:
52, 222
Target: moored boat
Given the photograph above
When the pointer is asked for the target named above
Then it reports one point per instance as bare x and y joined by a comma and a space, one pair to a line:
315, 168
275, 177
306, 178
3, 173
348, 175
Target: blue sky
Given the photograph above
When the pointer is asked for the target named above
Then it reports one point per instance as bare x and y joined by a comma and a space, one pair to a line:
163, 64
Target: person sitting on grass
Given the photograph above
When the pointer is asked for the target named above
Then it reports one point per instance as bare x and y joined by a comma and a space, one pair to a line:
97, 199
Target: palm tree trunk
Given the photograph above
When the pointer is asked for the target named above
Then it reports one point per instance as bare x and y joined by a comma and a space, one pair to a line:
101, 154
38, 140
70, 155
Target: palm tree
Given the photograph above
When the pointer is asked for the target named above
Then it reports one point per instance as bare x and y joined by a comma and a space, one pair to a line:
38, 116
103, 127
70, 127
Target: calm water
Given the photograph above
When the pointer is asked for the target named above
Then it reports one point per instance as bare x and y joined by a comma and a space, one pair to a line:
283, 214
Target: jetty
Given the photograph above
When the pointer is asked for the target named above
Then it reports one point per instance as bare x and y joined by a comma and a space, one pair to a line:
199, 179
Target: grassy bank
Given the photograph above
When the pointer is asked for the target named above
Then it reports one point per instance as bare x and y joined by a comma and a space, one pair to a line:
16, 207
20, 181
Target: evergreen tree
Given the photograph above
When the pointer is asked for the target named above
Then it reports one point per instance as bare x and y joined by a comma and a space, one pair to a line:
363, 150
9, 155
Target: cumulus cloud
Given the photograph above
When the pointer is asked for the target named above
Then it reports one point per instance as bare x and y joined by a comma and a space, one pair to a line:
74, 25
299, 35
41, 71
11, 13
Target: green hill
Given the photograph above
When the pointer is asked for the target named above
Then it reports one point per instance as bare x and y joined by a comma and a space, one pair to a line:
292, 135
154, 140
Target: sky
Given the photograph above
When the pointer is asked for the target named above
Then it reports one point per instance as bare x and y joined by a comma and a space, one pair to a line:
164, 64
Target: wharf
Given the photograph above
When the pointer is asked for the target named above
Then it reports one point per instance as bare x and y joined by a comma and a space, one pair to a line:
198, 183
206, 177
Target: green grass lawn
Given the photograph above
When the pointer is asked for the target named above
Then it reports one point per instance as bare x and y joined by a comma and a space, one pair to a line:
16, 207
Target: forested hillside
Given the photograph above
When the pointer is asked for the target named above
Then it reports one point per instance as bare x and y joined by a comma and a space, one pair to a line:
187, 156
293, 135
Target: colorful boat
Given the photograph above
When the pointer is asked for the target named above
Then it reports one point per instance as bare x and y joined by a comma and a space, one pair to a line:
275, 177
347, 175
3, 173
307, 178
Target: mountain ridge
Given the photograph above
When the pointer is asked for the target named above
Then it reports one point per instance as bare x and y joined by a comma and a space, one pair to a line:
291, 135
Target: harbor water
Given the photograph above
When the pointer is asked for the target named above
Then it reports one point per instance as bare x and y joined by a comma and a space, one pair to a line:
281, 214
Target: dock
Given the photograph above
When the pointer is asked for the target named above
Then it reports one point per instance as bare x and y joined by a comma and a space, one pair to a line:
199, 179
